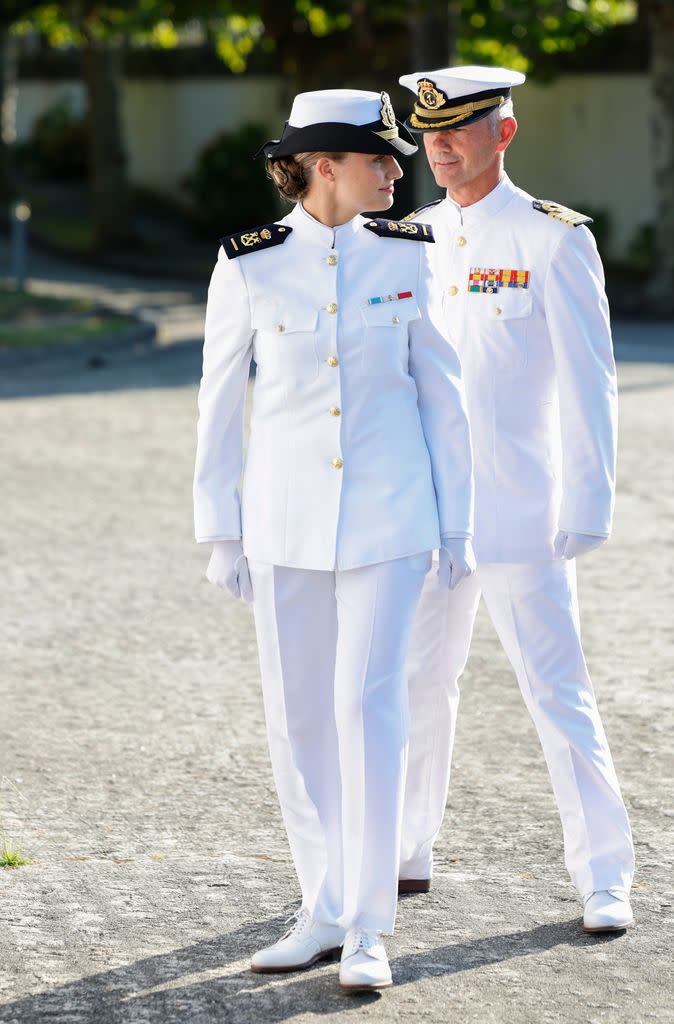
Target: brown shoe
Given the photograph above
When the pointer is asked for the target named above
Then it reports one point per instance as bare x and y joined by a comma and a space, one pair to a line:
412, 885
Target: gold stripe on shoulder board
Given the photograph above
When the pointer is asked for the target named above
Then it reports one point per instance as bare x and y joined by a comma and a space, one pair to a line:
562, 213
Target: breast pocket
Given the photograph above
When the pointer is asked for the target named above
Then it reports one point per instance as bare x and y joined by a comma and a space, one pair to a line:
285, 343
499, 323
385, 337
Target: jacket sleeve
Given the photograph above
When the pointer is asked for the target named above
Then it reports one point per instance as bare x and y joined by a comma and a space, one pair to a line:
222, 394
577, 313
435, 366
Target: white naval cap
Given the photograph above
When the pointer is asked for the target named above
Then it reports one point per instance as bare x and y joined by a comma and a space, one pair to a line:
454, 97
342, 121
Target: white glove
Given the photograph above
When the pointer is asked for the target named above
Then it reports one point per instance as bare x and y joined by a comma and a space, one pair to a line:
228, 569
457, 561
573, 545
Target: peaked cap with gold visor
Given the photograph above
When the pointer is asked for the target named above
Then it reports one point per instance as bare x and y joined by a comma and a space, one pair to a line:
455, 97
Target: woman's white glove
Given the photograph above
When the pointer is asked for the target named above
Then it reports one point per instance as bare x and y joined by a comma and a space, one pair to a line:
573, 545
228, 569
457, 561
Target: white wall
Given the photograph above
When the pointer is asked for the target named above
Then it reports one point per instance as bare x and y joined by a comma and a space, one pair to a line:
583, 140
168, 123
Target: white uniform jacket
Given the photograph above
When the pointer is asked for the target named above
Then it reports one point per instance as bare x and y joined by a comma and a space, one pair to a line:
359, 448
525, 308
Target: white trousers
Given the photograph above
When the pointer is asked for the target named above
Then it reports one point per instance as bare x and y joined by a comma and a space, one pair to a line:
332, 649
534, 608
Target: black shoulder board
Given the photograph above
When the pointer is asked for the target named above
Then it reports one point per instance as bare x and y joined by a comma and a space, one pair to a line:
242, 242
409, 216
399, 229
562, 213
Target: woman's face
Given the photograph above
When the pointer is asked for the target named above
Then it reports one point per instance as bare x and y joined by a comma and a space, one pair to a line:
364, 181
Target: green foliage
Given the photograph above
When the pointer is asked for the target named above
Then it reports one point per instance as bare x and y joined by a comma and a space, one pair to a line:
10, 856
601, 226
229, 188
57, 148
519, 31
641, 251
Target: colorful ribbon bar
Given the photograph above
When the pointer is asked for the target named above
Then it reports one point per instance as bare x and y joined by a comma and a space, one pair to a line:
491, 280
389, 298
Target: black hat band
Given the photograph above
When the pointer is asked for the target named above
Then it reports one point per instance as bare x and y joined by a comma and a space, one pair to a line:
340, 137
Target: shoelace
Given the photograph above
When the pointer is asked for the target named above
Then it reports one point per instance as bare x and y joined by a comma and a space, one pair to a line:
301, 919
360, 939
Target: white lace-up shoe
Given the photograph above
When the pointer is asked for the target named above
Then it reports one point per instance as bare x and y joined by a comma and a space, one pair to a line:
305, 942
607, 910
364, 963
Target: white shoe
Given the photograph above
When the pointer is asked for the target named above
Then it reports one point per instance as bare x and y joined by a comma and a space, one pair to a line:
364, 963
305, 943
607, 910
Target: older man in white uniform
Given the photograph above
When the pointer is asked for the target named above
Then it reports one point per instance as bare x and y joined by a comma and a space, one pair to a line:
523, 294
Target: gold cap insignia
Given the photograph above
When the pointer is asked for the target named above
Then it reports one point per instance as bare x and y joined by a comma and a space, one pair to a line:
429, 96
387, 113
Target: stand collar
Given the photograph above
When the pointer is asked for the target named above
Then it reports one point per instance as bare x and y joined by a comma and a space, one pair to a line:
488, 206
313, 230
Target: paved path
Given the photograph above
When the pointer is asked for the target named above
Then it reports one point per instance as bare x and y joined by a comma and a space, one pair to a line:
134, 771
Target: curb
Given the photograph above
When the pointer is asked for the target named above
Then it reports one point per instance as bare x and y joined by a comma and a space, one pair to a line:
142, 334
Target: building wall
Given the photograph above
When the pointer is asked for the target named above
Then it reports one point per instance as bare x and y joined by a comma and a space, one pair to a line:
574, 144
585, 141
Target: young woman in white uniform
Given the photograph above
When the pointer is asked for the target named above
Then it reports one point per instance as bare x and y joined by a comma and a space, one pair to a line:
358, 465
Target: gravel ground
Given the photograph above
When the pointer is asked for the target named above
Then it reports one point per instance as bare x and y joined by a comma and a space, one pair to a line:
134, 770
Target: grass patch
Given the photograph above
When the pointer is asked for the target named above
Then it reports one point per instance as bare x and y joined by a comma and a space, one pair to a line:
88, 329
11, 856
68, 232
18, 305
28, 320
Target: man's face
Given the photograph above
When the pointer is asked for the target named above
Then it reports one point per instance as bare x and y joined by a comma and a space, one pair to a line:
460, 157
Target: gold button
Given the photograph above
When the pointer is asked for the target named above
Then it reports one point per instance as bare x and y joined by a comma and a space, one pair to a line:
334, 410
332, 308
461, 240
453, 290
332, 261
337, 463
333, 361
497, 311
395, 320
280, 328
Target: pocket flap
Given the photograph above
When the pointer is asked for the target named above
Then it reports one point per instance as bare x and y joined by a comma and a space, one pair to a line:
284, 319
507, 304
390, 314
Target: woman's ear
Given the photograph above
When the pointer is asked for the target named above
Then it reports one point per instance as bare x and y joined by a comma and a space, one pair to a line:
324, 168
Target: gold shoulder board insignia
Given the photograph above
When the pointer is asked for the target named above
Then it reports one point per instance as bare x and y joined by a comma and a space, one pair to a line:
427, 206
241, 242
562, 213
400, 229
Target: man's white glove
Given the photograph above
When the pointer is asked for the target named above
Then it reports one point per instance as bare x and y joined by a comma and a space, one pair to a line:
457, 561
573, 545
228, 569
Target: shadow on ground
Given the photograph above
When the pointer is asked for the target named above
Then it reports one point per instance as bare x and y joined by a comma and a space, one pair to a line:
179, 365
173, 366
164, 988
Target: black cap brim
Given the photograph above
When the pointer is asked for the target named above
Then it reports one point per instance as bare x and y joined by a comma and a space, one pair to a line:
337, 137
